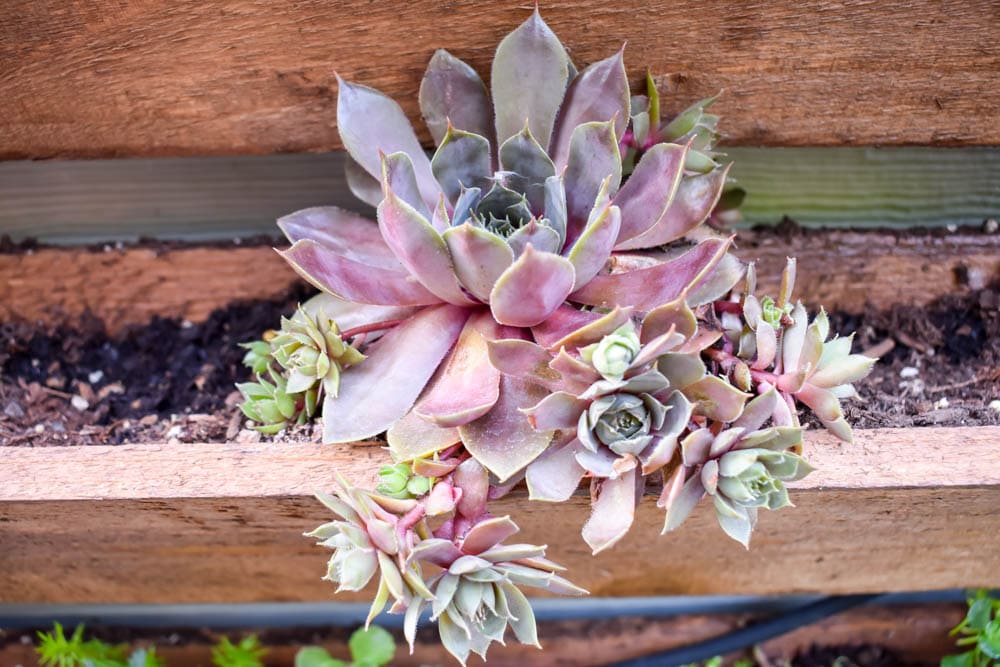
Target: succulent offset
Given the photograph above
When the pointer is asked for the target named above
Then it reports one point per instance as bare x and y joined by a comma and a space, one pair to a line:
535, 302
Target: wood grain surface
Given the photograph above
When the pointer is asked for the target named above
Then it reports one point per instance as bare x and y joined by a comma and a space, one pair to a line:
918, 633
159, 77
840, 270
900, 510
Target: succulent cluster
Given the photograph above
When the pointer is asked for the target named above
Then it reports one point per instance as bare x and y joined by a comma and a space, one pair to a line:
535, 302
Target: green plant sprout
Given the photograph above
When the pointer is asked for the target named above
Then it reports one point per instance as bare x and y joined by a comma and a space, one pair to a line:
979, 633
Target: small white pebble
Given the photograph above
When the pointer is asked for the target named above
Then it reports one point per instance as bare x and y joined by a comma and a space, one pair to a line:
119, 245
941, 403
39, 428
187, 324
175, 431
909, 372
237, 241
95, 377
79, 402
991, 226
995, 405
951, 228
107, 248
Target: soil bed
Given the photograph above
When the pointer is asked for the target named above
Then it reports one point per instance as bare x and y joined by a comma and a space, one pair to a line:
173, 381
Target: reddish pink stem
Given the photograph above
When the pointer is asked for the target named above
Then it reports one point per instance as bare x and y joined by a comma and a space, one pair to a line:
374, 326
729, 307
727, 360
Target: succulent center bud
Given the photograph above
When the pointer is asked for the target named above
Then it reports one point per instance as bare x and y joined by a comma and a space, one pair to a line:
614, 353
624, 417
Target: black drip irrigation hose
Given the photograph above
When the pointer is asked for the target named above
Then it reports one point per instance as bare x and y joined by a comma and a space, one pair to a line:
752, 634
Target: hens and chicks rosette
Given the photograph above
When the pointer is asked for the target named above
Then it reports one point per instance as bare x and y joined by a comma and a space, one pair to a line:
534, 303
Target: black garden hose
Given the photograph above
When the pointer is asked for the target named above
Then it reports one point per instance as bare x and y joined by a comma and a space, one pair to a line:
752, 634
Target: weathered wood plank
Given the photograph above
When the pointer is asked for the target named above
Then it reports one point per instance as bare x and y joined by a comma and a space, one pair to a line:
918, 633
182, 78
840, 270
99, 201
221, 523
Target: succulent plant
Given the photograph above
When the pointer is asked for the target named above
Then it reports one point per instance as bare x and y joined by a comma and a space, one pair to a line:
534, 302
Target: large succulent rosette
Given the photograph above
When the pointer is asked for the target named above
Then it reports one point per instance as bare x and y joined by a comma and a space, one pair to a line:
534, 303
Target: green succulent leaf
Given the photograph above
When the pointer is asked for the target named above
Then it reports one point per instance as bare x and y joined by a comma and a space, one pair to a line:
373, 647
316, 656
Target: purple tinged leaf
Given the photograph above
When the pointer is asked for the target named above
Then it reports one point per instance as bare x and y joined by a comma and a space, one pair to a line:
681, 368
696, 446
488, 534
531, 288
594, 156
558, 410
472, 478
656, 348
466, 385
503, 440
362, 185
681, 506
758, 411
409, 354
461, 161
555, 205
767, 346
531, 167
441, 500
355, 281
664, 447
371, 123
613, 504
592, 248
576, 375
710, 476
510, 552
344, 232
793, 338
420, 248
716, 283
691, 205
349, 314
452, 91
399, 177
413, 437
572, 328
525, 360
555, 475
480, 257
600, 93
716, 399
676, 315
826, 407
529, 79
648, 192
645, 289
539, 237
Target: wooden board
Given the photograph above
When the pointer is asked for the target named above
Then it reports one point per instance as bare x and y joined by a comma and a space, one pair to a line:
158, 78
840, 270
918, 633
222, 523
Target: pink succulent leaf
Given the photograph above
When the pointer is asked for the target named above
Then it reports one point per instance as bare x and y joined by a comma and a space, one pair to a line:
649, 190
591, 250
480, 257
676, 315
724, 442
420, 248
528, 168
758, 411
656, 348
710, 476
462, 161
439, 216
599, 93
413, 437
442, 499
500, 489
436, 551
430, 468
664, 445
344, 232
767, 346
488, 534
349, 314
555, 475
503, 440
558, 410
540, 237
691, 205
681, 369
512, 552
827, 409
399, 177
718, 282
701, 341
647, 288
793, 338
695, 447
648, 382
525, 360
371, 123
599, 461
452, 91
613, 504
529, 59
573, 328
409, 354
474, 481
716, 399
681, 506
466, 385
594, 157
354, 281
577, 376
846, 370
555, 204
362, 185
531, 288
672, 487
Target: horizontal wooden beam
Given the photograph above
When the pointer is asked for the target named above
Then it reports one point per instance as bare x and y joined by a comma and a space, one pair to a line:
917, 633
222, 523
192, 78
840, 270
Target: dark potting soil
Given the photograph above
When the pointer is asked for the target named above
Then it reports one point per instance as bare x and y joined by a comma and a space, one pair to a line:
171, 380
864, 655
